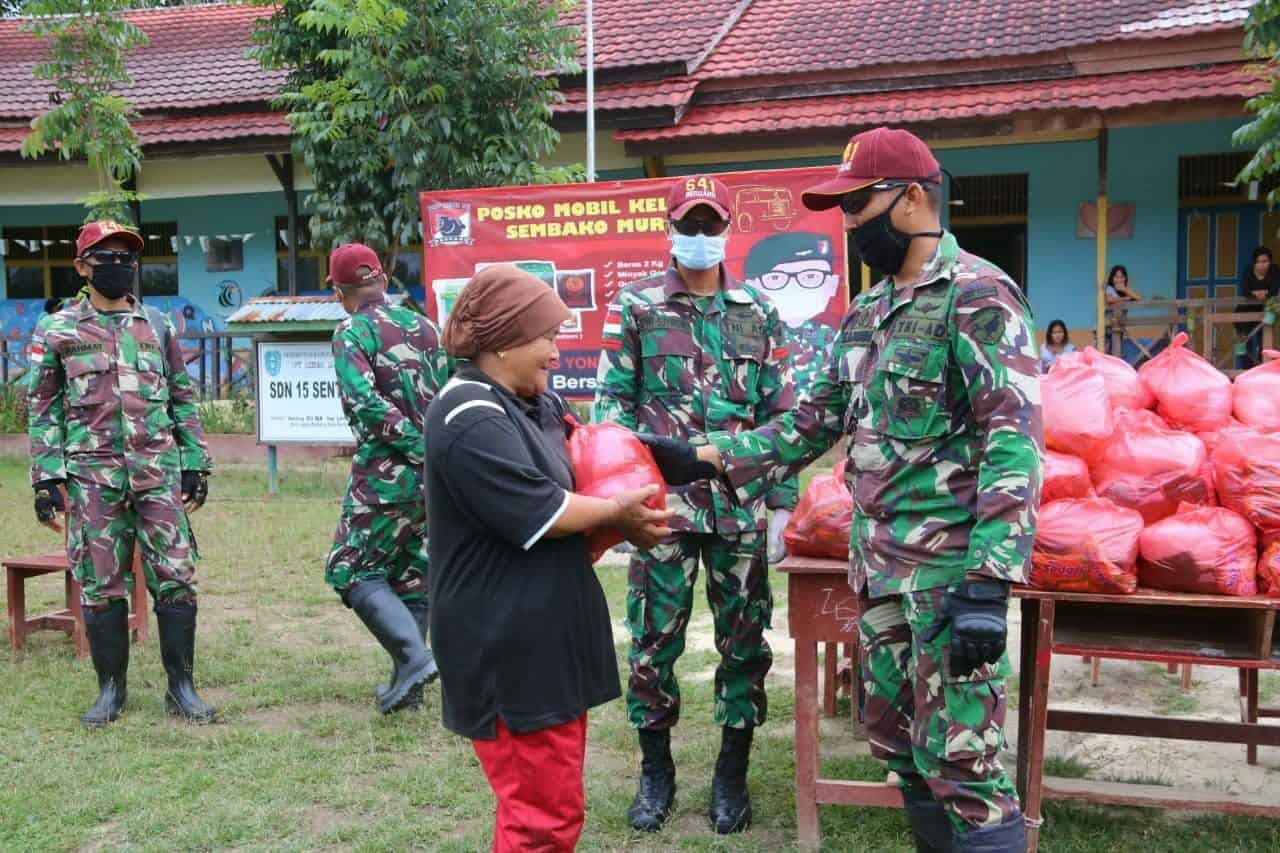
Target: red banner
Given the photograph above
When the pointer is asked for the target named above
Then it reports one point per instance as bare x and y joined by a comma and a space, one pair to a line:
590, 240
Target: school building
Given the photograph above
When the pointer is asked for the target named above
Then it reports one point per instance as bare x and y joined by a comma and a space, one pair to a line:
1039, 109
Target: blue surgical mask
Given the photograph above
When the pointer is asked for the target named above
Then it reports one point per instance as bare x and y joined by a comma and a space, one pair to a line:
699, 252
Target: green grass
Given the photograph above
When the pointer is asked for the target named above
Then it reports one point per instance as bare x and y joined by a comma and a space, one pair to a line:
13, 407
233, 415
303, 761
1066, 767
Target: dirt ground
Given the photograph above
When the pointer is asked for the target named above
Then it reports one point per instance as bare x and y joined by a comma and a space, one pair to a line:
1124, 687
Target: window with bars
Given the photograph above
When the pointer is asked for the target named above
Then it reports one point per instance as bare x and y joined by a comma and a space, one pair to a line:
1211, 178
313, 263
990, 197
39, 261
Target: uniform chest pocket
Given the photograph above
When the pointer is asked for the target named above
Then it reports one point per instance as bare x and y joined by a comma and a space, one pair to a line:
911, 383
668, 363
88, 379
741, 380
152, 383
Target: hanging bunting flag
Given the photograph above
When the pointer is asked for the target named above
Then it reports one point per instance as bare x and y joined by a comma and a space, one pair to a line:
249, 236
188, 238
204, 244
4, 247
284, 237
173, 244
47, 242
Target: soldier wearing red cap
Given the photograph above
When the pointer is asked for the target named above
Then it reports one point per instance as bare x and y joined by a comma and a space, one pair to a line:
684, 353
390, 365
934, 379
113, 428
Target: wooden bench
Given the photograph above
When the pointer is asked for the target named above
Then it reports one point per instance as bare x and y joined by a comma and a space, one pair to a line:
71, 619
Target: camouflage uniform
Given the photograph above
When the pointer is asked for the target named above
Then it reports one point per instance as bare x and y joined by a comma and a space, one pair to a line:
937, 385
389, 365
112, 410
678, 365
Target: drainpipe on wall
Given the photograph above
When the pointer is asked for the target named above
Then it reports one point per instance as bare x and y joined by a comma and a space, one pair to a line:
1101, 241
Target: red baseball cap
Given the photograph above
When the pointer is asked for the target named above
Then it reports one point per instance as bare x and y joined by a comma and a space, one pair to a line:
687, 193
95, 232
880, 154
345, 260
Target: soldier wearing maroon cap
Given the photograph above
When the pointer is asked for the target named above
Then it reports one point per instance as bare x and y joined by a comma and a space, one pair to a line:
934, 379
390, 365
685, 353
113, 428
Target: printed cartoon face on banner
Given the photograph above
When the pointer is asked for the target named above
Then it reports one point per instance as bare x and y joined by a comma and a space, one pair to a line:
588, 241
796, 271
449, 224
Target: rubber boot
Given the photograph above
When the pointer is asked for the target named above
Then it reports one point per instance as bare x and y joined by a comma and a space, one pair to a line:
1007, 837
656, 797
108, 632
421, 610
929, 822
177, 623
394, 627
730, 800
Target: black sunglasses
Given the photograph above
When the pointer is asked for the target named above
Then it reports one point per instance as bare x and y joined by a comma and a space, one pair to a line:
690, 227
111, 256
855, 202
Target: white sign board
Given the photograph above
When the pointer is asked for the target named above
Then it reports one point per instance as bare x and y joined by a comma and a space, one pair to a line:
298, 395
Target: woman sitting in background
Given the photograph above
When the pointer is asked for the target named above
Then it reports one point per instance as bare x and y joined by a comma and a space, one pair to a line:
1118, 287
519, 622
1055, 344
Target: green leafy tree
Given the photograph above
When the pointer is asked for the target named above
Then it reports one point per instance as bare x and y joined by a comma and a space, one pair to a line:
390, 97
1262, 41
88, 43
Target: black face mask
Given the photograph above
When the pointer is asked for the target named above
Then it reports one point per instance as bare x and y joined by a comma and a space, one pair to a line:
112, 280
882, 246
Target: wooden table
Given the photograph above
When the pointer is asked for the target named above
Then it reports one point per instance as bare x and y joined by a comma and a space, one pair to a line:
821, 608
1168, 628
71, 619
1162, 627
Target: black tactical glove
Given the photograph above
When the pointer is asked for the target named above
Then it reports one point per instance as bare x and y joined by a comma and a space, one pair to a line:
677, 460
48, 500
979, 612
195, 487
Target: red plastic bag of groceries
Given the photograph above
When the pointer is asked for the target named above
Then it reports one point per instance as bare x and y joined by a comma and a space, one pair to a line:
1269, 570
1190, 392
1065, 476
1077, 410
820, 525
1256, 393
1151, 468
1246, 469
608, 459
1086, 545
1204, 549
1125, 389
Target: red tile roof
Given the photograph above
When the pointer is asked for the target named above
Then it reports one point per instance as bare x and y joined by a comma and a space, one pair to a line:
776, 37
638, 33
1106, 92
195, 59
673, 92
157, 131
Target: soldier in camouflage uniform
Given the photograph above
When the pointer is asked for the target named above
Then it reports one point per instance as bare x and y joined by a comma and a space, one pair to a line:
934, 377
794, 271
685, 353
389, 365
114, 430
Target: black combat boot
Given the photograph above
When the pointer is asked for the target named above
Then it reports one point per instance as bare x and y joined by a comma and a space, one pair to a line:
929, 822
108, 632
730, 800
177, 623
421, 609
1007, 837
391, 623
657, 794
